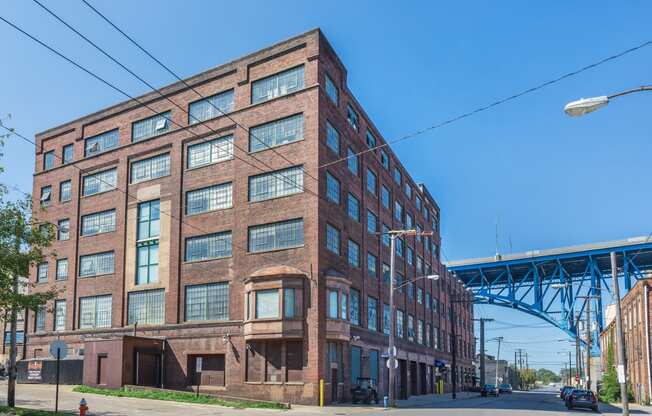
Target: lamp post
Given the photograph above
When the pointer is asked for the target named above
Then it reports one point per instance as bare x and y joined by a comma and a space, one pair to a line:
500, 340
588, 105
393, 235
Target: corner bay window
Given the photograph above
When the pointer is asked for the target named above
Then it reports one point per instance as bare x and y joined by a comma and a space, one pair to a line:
267, 304
276, 236
333, 304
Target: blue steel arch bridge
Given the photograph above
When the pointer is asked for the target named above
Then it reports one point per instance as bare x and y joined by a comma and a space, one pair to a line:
555, 285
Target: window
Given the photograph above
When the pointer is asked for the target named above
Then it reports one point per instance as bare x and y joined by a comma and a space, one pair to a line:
384, 159
148, 220
408, 190
420, 331
371, 182
372, 264
100, 182
399, 323
409, 221
352, 161
211, 198
428, 336
48, 160
151, 126
384, 196
207, 247
355, 307
385, 235
410, 328
62, 269
42, 272
386, 272
418, 203
209, 302
332, 188
409, 257
331, 90
398, 211
276, 236
372, 222
371, 140
46, 195
277, 85
98, 223
333, 239
95, 312
96, 264
399, 247
289, 307
151, 168
68, 153
420, 296
372, 313
102, 142
65, 191
333, 304
387, 316
212, 151
60, 315
419, 264
267, 304
352, 117
353, 208
332, 138
39, 319
146, 307
276, 133
147, 262
410, 290
276, 184
63, 230
210, 107
344, 306
419, 237
353, 254
397, 176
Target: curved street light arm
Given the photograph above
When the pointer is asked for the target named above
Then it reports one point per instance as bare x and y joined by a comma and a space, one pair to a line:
633, 90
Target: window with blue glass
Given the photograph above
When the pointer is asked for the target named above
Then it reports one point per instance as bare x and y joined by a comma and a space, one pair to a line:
355, 307
384, 197
277, 85
332, 239
210, 107
371, 140
353, 251
147, 242
372, 313
353, 207
372, 181
372, 222
68, 153
331, 90
332, 138
101, 142
397, 176
151, 126
352, 117
352, 161
372, 264
384, 159
332, 188
276, 133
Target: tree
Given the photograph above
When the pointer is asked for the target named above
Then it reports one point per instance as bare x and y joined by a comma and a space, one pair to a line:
528, 378
23, 241
610, 391
546, 376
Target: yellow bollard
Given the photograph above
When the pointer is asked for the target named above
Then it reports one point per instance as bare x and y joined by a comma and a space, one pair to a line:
321, 392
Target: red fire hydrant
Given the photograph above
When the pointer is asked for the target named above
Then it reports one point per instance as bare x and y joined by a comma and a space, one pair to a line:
83, 408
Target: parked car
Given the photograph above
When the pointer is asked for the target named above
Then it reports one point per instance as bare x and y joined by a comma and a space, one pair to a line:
581, 398
505, 388
489, 390
365, 390
564, 390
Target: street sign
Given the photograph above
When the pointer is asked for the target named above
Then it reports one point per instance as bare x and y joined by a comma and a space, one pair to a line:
59, 349
34, 369
621, 373
395, 363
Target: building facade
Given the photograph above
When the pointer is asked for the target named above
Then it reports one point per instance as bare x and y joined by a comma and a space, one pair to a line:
215, 234
635, 313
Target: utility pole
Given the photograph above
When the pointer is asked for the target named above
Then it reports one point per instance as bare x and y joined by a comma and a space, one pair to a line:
454, 351
482, 350
570, 365
588, 344
578, 355
527, 365
500, 339
622, 364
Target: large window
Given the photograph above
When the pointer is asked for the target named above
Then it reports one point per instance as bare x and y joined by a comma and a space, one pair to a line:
60, 315
353, 254
344, 306
332, 239
267, 304
96, 264
352, 161
48, 160
151, 168
102, 142
100, 182
372, 313
277, 85
146, 307
65, 191
151, 126
147, 242
331, 90
62, 269
98, 223
95, 312
212, 151
210, 107
355, 307
209, 302
372, 222
276, 184
276, 133
212, 198
372, 265
353, 207
276, 236
206, 247
372, 182
332, 138
332, 188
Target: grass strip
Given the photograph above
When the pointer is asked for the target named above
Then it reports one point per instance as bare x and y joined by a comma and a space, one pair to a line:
21, 411
180, 396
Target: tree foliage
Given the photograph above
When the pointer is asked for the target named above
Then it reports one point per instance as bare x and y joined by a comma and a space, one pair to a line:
546, 376
528, 377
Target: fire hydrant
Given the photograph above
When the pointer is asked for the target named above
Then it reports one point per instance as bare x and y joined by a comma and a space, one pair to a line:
83, 408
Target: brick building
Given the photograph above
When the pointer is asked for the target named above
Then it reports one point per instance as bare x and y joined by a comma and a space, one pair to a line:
216, 228
635, 314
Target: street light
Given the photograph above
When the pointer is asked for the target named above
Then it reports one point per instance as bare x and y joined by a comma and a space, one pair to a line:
589, 105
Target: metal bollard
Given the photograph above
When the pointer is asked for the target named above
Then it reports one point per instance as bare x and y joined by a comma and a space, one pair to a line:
83, 408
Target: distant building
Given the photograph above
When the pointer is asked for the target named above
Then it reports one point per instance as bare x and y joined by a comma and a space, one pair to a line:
504, 373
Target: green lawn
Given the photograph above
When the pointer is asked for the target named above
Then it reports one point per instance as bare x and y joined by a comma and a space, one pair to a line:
21, 411
179, 396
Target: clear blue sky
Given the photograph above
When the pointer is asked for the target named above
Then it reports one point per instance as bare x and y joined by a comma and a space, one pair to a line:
549, 180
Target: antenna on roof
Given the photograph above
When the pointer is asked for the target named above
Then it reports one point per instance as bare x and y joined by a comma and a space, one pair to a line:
498, 256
